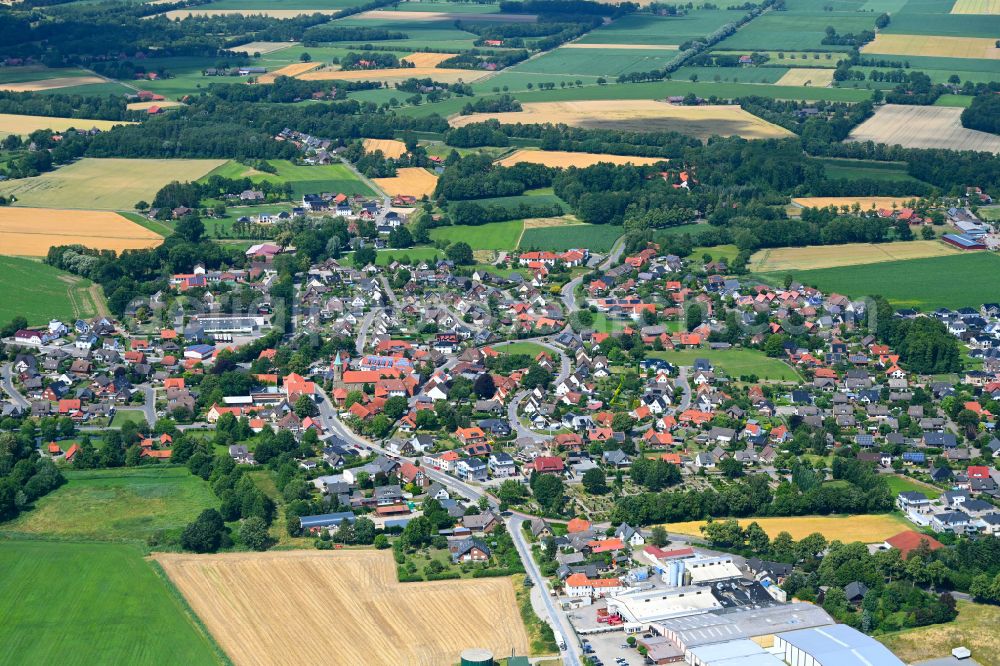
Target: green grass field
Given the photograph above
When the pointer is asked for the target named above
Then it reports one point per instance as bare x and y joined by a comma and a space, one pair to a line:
104, 183
945, 25
734, 362
493, 236
39, 73
595, 237
865, 169
796, 30
40, 292
529, 348
121, 505
74, 603
991, 213
734, 74
305, 179
672, 30
901, 484
570, 64
963, 101
926, 284
123, 416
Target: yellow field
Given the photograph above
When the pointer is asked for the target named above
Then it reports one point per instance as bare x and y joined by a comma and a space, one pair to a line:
30, 232
142, 106
923, 127
50, 84
11, 123
395, 74
924, 45
289, 607
851, 254
104, 183
638, 115
288, 70
261, 47
412, 181
976, 7
914, 645
389, 147
866, 203
867, 529
427, 59
545, 222
635, 47
802, 76
563, 159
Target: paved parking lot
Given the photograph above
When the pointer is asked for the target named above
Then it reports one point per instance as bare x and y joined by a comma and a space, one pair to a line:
608, 647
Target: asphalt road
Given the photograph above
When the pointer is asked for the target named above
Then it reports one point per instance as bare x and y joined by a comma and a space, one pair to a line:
7, 384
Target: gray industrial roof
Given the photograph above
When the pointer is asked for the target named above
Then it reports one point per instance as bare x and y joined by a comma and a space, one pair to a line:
841, 645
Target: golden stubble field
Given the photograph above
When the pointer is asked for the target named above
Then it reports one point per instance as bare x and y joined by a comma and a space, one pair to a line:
866, 203
104, 183
288, 70
389, 147
807, 76
345, 607
923, 127
30, 232
638, 116
866, 529
51, 84
976, 7
563, 159
412, 181
935, 46
13, 123
394, 74
261, 47
851, 254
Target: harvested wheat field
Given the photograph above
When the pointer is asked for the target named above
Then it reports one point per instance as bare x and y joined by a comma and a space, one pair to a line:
546, 222
408, 181
631, 47
976, 7
638, 116
288, 70
867, 529
411, 17
394, 74
427, 59
941, 47
30, 232
142, 106
51, 84
804, 76
104, 183
866, 203
288, 607
563, 159
923, 127
261, 47
389, 147
11, 123
851, 254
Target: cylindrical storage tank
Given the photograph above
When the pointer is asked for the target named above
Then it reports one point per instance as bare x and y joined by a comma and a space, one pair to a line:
477, 657
675, 573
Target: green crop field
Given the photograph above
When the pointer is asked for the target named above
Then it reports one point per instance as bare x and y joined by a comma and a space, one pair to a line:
572, 63
546, 198
282, 4
595, 237
734, 74
670, 30
945, 25
75, 603
39, 73
795, 30
104, 183
39, 292
122, 505
734, 362
865, 169
952, 281
493, 236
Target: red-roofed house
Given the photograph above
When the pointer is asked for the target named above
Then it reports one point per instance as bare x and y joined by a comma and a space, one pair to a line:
548, 464
909, 540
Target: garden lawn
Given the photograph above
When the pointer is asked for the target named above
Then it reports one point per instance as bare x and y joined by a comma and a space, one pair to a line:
902, 484
123, 416
734, 362
122, 505
529, 348
951, 282
39, 292
493, 236
73, 603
